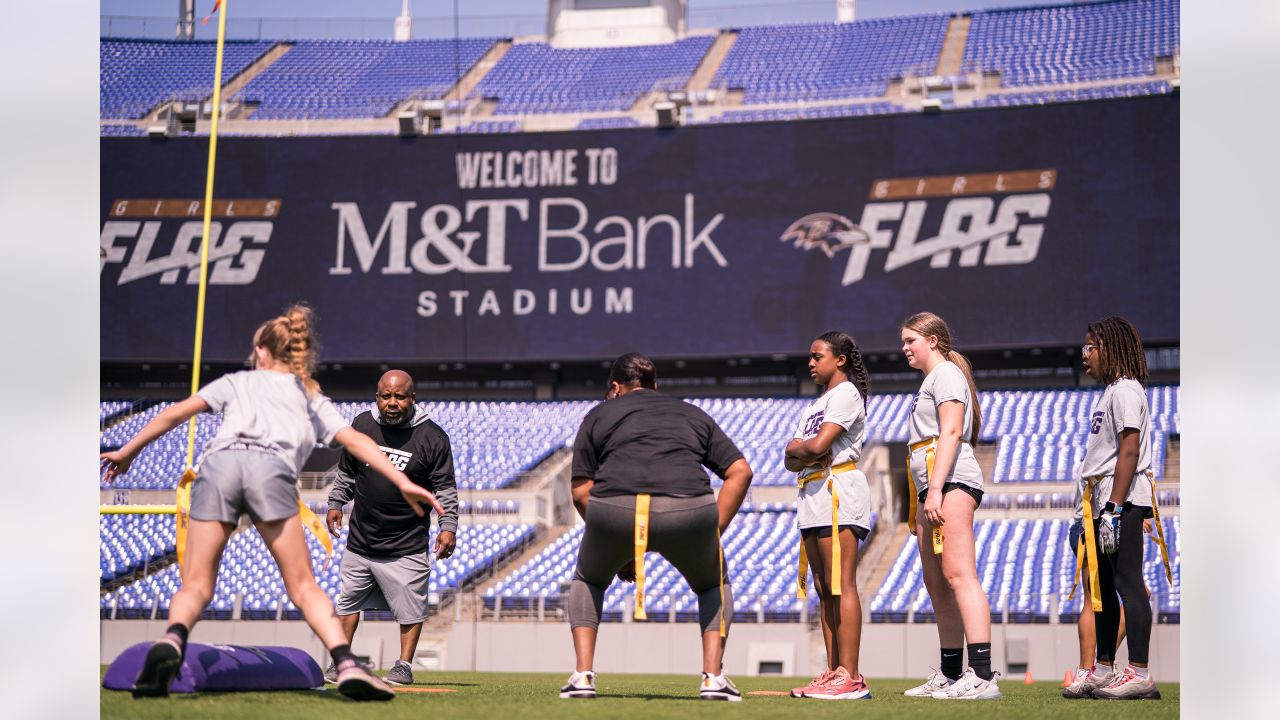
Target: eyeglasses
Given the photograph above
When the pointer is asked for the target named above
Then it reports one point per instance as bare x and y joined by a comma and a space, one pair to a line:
1084, 351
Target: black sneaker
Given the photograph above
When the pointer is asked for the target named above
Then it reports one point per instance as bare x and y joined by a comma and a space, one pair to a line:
162, 663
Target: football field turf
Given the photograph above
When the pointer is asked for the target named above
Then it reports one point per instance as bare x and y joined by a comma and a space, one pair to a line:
533, 696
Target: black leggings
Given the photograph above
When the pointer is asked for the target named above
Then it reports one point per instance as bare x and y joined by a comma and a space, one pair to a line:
682, 530
1122, 573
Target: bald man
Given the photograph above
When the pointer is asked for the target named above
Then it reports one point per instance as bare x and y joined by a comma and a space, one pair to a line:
387, 565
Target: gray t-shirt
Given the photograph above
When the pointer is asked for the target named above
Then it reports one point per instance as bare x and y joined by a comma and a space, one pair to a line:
843, 406
1123, 405
272, 409
945, 383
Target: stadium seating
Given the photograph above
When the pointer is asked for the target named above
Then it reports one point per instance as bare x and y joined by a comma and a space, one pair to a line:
324, 79
129, 543
1045, 97
138, 75
1027, 572
805, 113
759, 547
247, 569
608, 123
1073, 43
1041, 433
537, 78
820, 61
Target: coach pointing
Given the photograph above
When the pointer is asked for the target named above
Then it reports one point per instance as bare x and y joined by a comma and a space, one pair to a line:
387, 566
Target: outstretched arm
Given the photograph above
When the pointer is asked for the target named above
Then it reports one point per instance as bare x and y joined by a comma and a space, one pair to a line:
117, 462
366, 451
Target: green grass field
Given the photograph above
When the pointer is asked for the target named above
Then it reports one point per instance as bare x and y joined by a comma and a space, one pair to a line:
533, 696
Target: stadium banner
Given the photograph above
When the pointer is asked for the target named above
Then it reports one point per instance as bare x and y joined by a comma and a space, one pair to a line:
1017, 225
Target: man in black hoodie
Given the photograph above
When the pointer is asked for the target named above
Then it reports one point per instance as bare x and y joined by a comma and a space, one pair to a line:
387, 566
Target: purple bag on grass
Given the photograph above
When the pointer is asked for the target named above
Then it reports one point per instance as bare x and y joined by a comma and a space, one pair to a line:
224, 668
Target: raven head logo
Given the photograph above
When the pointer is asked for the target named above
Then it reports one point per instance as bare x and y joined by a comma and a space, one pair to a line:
826, 231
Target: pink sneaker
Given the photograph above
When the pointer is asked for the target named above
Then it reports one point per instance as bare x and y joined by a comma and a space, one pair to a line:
841, 686
813, 686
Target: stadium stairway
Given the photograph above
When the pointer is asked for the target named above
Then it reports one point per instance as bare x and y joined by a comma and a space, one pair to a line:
952, 54
256, 68
706, 70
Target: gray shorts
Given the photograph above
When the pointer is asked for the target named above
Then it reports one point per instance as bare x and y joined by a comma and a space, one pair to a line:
233, 482
396, 584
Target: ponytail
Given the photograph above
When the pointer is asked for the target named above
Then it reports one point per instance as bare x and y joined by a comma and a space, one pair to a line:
843, 344
289, 338
926, 324
962, 362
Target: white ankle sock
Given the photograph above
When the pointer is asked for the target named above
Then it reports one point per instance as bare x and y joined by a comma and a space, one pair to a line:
1140, 672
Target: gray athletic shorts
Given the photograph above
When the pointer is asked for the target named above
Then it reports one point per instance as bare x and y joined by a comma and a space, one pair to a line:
396, 584
234, 482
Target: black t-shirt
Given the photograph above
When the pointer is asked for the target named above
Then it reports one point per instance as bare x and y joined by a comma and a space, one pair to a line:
646, 442
382, 523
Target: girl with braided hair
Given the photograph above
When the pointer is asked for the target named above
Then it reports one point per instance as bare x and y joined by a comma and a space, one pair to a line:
1117, 494
273, 416
834, 509
944, 423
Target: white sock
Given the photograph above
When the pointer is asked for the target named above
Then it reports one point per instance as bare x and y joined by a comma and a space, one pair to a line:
1101, 669
1143, 673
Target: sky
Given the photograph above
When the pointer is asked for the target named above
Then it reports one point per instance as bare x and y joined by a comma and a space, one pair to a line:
322, 18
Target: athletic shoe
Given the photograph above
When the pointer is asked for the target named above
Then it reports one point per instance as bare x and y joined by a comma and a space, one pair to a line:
1128, 685
937, 681
1095, 677
842, 686
331, 672
718, 687
400, 674
813, 685
970, 687
359, 684
580, 685
162, 663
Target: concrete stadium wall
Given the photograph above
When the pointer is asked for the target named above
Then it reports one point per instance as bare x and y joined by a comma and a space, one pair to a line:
888, 650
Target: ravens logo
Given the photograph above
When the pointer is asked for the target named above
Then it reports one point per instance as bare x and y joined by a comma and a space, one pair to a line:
826, 231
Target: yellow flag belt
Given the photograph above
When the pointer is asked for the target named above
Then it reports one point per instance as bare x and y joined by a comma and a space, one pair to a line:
930, 447
802, 568
642, 546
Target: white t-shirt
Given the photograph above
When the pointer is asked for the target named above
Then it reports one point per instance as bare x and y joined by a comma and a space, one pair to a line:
272, 409
1123, 405
946, 382
843, 406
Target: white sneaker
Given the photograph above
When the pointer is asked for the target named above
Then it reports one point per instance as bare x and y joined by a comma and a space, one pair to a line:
579, 685
937, 681
1098, 676
970, 687
718, 687
1128, 686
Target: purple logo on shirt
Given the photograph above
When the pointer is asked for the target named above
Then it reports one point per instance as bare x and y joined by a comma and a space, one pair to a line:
1095, 425
812, 424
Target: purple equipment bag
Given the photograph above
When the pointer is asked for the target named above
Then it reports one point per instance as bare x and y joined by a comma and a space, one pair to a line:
224, 668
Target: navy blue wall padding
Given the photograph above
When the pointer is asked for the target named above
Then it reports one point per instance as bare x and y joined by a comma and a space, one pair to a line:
224, 668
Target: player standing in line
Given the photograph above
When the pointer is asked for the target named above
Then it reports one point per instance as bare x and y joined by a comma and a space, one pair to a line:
825, 450
273, 416
387, 565
945, 420
1117, 496
639, 484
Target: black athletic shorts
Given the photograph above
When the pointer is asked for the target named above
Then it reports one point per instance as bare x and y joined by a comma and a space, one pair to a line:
973, 492
824, 531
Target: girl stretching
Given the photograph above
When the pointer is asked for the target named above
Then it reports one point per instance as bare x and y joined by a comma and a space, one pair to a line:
273, 416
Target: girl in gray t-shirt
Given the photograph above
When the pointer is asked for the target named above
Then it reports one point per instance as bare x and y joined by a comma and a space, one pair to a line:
945, 419
273, 416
